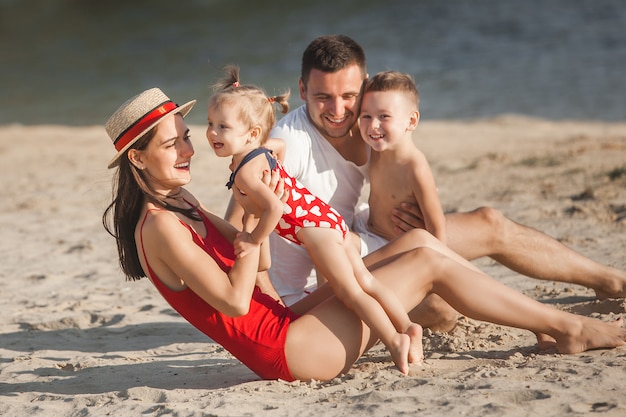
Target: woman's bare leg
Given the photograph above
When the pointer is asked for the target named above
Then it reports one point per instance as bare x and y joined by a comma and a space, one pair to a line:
433, 312
544, 339
330, 338
476, 295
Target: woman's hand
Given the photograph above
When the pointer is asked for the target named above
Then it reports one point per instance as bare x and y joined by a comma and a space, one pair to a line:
244, 244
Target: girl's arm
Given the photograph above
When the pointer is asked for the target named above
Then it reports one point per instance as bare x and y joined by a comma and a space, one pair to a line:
258, 199
427, 197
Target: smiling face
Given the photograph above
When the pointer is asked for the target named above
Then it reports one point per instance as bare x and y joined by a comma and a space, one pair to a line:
166, 159
387, 118
332, 100
226, 133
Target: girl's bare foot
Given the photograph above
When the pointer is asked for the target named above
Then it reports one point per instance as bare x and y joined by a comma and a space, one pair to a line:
416, 349
400, 352
592, 334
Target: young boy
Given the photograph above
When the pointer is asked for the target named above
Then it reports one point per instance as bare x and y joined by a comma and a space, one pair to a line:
399, 172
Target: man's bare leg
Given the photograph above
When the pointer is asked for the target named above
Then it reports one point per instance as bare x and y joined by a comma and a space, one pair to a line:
487, 232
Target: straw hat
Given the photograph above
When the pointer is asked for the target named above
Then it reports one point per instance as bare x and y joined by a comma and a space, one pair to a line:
137, 116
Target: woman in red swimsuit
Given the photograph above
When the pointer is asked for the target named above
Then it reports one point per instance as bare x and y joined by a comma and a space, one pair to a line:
164, 233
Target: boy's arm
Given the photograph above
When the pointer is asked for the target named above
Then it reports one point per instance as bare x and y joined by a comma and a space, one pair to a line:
427, 197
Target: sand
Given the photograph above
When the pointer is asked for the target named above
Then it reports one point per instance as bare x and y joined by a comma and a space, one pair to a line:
77, 340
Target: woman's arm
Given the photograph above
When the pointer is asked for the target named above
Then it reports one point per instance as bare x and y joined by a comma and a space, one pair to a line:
175, 257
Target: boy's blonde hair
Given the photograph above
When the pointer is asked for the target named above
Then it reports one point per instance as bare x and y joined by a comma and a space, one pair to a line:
254, 106
394, 81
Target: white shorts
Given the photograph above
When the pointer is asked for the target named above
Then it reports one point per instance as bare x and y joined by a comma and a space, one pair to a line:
369, 240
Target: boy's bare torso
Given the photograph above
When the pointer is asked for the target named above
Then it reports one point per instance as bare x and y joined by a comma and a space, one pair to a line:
391, 183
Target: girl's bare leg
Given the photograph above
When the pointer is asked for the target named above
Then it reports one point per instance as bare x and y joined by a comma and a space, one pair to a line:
433, 312
389, 302
328, 252
416, 350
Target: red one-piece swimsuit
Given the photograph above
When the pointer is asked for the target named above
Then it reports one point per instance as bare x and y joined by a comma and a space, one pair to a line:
256, 339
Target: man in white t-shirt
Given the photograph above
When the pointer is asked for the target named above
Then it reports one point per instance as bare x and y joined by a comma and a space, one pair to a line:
314, 161
325, 152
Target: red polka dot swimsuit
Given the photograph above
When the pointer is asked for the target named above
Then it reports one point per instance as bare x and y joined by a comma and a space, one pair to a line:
302, 209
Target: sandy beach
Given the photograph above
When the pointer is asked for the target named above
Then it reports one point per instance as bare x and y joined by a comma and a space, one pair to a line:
77, 340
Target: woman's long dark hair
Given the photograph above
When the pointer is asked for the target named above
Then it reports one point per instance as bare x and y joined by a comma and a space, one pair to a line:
130, 191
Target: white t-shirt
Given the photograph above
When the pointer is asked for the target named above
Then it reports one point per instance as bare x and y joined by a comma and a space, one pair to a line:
312, 160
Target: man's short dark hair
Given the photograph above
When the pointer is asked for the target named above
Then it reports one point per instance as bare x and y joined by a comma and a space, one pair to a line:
331, 53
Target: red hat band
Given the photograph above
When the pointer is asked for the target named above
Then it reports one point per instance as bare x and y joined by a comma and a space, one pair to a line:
140, 125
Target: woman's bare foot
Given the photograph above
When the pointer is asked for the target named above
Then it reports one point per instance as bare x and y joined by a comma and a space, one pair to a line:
400, 352
416, 349
592, 334
544, 341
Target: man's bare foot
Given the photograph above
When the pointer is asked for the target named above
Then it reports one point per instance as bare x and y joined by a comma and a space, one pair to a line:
400, 352
592, 334
416, 349
601, 295
615, 287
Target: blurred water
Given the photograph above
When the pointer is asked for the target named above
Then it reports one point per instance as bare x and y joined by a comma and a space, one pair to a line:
74, 61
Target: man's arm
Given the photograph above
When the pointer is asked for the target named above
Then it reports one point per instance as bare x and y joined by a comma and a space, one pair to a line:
406, 217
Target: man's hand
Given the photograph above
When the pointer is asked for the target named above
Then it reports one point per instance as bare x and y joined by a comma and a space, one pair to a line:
406, 217
276, 183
